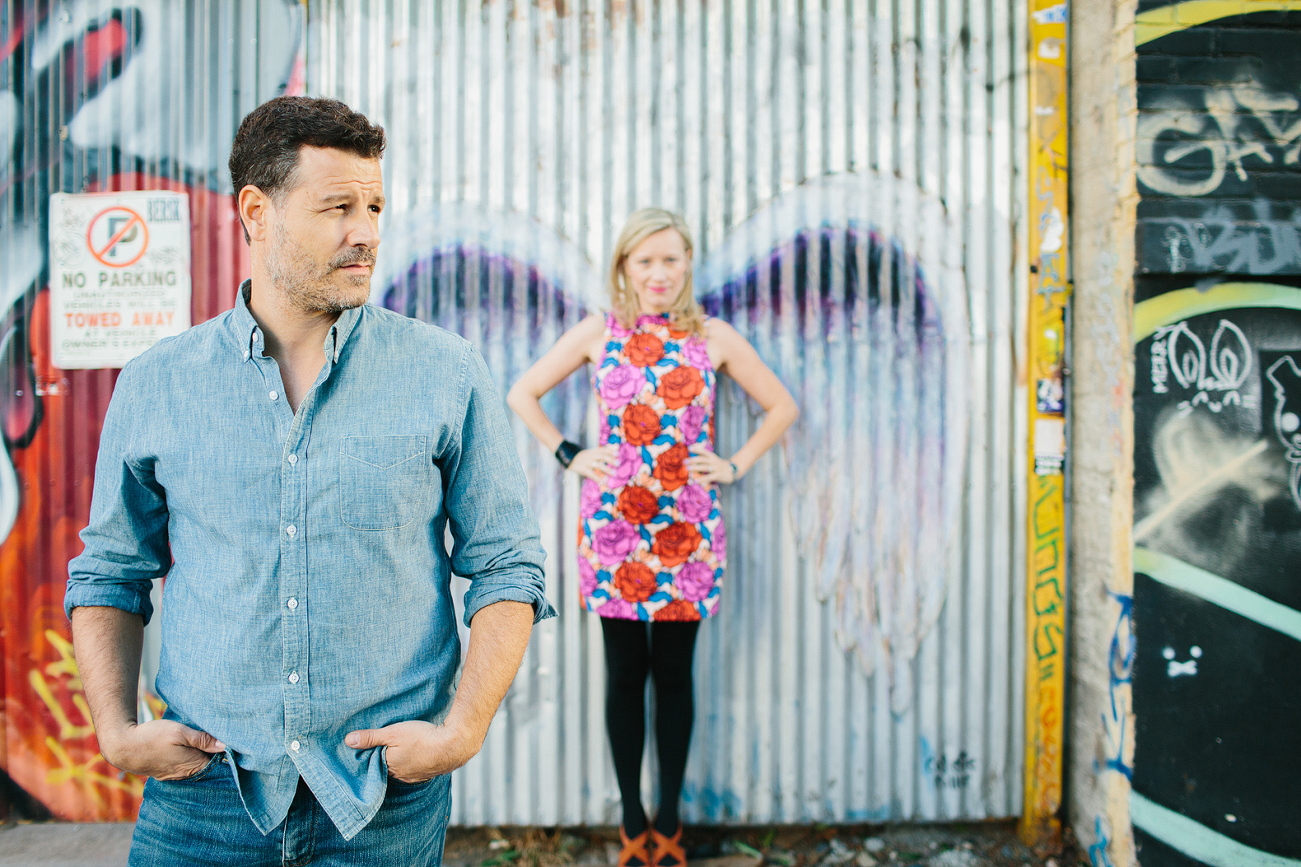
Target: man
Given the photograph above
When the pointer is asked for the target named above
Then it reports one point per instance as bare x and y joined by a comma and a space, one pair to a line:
292, 466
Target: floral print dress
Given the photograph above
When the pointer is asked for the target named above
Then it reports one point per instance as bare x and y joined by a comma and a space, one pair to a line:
651, 542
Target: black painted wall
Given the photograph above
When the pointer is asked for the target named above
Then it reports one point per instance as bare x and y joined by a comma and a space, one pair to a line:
1217, 414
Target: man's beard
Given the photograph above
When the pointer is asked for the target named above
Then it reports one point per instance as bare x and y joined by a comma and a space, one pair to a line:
311, 287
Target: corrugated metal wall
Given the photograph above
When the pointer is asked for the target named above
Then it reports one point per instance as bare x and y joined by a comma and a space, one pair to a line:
852, 172
98, 95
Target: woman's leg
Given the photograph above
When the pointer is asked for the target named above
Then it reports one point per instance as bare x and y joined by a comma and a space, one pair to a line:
672, 647
627, 661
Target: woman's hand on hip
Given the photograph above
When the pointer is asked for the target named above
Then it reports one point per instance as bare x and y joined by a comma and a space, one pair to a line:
595, 463
705, 466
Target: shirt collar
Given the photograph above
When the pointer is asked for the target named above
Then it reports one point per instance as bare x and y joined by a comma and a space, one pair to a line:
250, 335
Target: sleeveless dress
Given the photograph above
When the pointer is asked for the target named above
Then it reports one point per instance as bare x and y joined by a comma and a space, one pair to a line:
651, 542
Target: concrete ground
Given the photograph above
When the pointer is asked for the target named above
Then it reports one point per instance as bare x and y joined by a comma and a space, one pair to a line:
990, 844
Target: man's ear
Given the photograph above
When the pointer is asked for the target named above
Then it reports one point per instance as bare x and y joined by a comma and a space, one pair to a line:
254, 212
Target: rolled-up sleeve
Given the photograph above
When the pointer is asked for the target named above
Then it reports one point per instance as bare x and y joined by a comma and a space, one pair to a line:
126, 544
496, 541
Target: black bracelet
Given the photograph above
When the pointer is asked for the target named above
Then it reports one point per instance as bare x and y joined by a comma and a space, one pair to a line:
566, 451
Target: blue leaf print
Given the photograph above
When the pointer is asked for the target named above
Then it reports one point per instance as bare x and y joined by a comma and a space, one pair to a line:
603, 515
666, 501
646, 457
664, 578
663, 440
662, 519
645, 534
704, 531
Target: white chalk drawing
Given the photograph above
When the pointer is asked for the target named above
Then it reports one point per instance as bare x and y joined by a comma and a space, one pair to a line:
1210, 477
1175, 668
1243, 238
1216, 376
1287, 418
1236, 122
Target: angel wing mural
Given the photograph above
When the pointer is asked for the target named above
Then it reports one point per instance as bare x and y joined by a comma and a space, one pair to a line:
833, 303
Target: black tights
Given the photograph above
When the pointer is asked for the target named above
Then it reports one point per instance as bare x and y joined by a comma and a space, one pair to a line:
628, 658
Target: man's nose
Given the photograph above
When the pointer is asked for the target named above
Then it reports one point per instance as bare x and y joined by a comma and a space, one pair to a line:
364, 231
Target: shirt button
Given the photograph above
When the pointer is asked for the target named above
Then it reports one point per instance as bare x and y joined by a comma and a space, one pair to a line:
293, 459
291, 531
292, 603
293, 677
272, 395
295, 746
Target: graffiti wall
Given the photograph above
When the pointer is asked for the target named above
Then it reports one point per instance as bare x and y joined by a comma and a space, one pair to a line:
853, 178
1214, 622
97, 95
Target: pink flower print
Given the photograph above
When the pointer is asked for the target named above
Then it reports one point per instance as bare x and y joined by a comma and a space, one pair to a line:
629, 462
718, 542
621, 385
694, 580
689, 422
605, 429
618, 609
586, 577
617, 331
589, 501
694, 504
615, 541
695, 353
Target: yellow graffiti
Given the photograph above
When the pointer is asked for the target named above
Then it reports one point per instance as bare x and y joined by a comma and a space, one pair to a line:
67, 663
1050, 287
69, 771
67, 730
1156, 23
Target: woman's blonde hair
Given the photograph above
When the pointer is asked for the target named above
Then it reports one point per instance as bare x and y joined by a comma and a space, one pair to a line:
686, 314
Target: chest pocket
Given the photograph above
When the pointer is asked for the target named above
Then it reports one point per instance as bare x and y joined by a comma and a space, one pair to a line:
383, 481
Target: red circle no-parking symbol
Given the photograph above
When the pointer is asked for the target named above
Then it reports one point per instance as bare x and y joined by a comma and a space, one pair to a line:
117, 237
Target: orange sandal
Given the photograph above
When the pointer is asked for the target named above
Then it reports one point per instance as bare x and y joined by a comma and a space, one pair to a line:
668, 851
635, 852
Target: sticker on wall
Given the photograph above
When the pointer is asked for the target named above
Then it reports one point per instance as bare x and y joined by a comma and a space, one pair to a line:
119, 275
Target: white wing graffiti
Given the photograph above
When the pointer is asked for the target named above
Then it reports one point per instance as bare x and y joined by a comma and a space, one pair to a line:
836, 306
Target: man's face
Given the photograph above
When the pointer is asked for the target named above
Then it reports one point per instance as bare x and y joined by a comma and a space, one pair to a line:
323, 234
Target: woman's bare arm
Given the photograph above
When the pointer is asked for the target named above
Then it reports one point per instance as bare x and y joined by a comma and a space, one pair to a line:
732, 354
579, 345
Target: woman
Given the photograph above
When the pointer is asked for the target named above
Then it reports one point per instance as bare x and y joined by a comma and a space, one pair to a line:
652, 545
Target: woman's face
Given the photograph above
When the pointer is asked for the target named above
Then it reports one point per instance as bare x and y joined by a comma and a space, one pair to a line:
656, 270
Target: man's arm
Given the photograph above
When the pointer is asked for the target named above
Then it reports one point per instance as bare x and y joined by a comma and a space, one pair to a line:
417, 750
107, 644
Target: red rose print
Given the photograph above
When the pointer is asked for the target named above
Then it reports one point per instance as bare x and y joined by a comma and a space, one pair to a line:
678, 610
644, 350
635, 582
675, 543
638, 505
671, 467
641, 424
680, 386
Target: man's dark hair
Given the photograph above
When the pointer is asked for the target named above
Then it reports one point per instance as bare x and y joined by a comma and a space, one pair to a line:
265, 152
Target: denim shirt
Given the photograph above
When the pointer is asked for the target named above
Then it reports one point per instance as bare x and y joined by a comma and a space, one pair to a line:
307, 590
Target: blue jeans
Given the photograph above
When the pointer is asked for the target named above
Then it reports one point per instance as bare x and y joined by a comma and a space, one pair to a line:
201, 821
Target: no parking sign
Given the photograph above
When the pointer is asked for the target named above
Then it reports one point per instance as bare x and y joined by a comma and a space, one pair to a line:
119, 275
